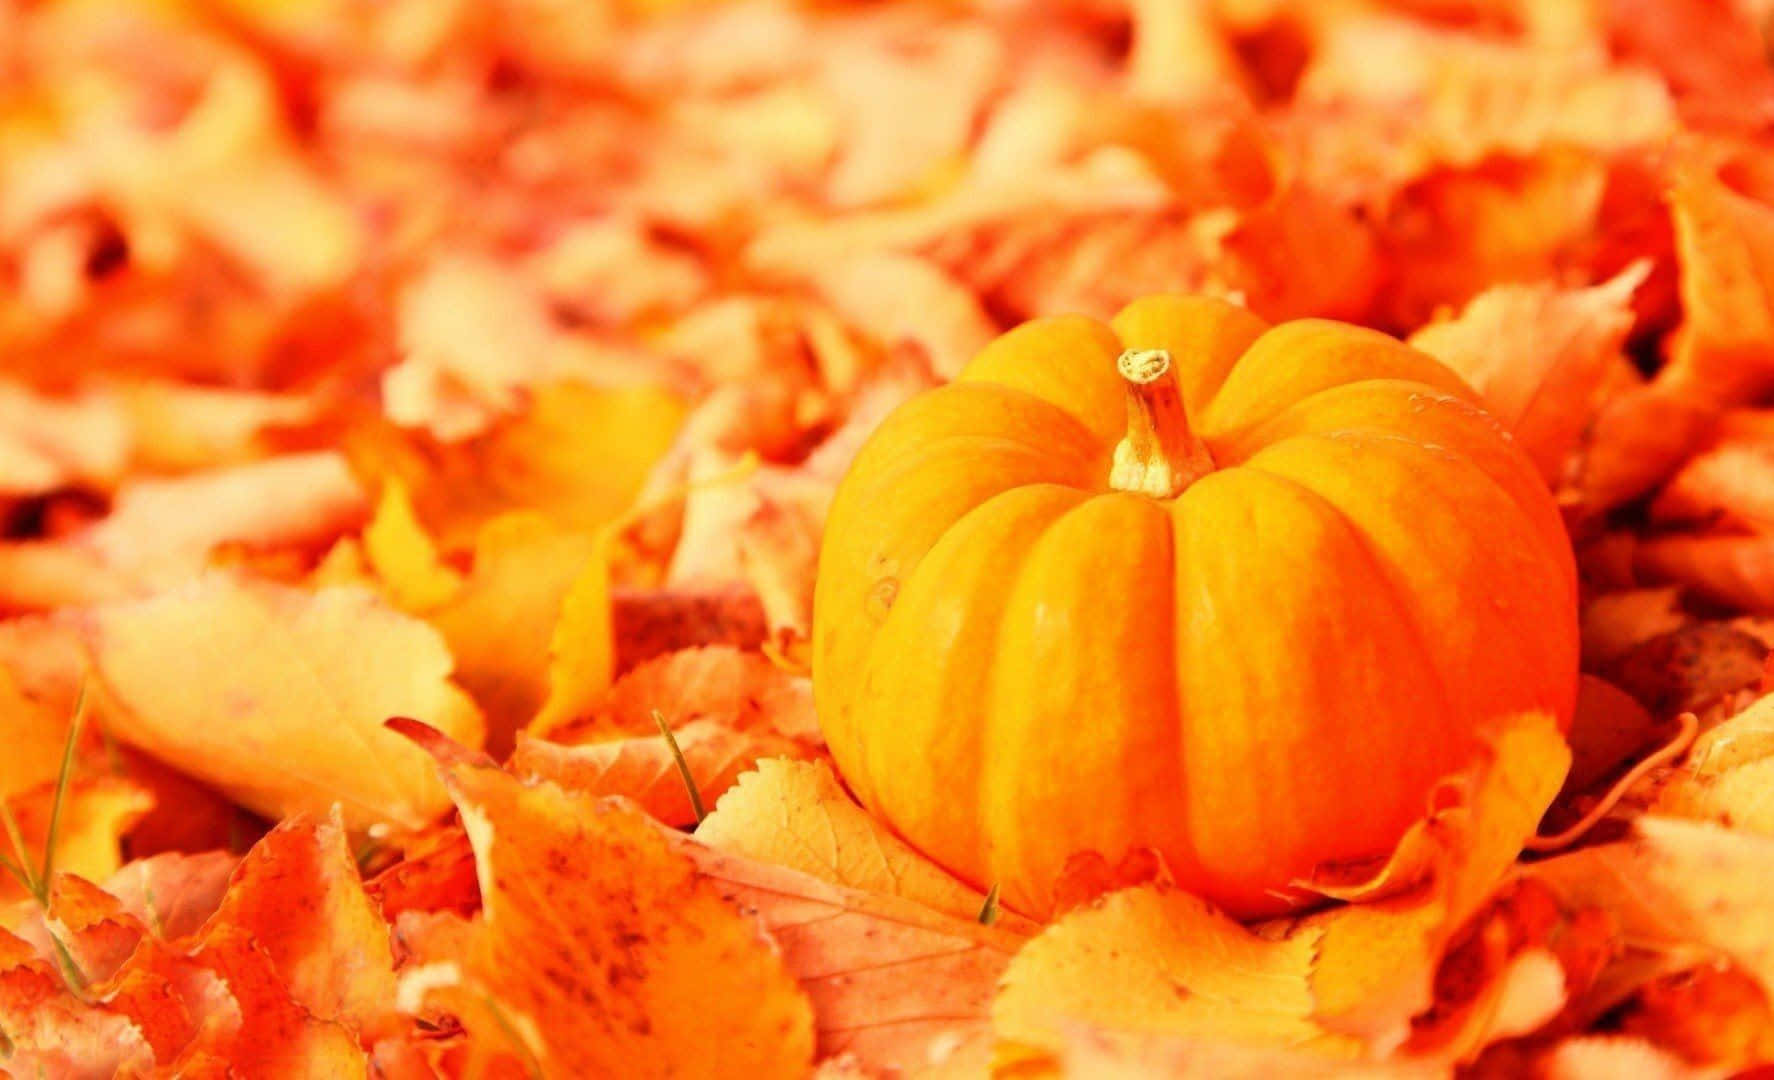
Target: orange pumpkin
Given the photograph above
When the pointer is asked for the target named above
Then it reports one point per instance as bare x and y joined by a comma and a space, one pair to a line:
1237, 594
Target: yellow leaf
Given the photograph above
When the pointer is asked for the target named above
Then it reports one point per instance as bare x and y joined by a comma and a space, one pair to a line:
795, 814
582, 648
277, 696
1376, 961
578, 454
96, 813
33, 735
501, 624
1156, 960
402, 554
605, 951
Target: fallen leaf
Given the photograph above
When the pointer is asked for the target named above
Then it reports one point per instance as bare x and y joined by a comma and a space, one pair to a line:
51, 1031
1727, 773
501, 623
163, 532
575, 452
277, 696
1616, 622
1540, 356
1722, 352
894, 985
606, 952
1729, 485
742, 690
1678, 885
1602, 1055
1609, 728
795, 814
902, 300
298, 894
173, 894
34, 735
1160, 961
403, 555
645, 769
1690, 669
97, 812
1713, 1014
1375, 962
648, 623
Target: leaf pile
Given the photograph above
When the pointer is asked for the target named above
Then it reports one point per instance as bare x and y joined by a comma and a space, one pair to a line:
409, 409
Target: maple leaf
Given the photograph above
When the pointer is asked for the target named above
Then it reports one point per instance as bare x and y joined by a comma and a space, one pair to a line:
277, 696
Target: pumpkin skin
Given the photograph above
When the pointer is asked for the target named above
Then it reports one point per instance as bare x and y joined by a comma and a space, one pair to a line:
1265, 673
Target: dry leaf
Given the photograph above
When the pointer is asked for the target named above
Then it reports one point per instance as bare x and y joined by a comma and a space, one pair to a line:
162, 532
602, 949
298, 894
1724, 350
1678, 885
893, 983
1728, 774
1159, 961
277, 696
1374, 962
794, 814
742, 690
645, 769
1540, 356
502, 623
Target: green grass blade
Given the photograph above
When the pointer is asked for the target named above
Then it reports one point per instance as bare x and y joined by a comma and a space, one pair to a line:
22, 868
677, 755
988, 911
62, 780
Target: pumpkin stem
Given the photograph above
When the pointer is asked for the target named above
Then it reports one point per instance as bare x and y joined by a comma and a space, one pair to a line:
1160, 455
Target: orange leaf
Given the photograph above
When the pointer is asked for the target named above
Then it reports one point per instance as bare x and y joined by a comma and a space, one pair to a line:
644, 769
606, 952
298, 894
742, 690
1724, 349
1540, 356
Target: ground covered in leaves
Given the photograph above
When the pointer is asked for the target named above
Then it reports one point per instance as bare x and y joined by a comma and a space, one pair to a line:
490, 366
